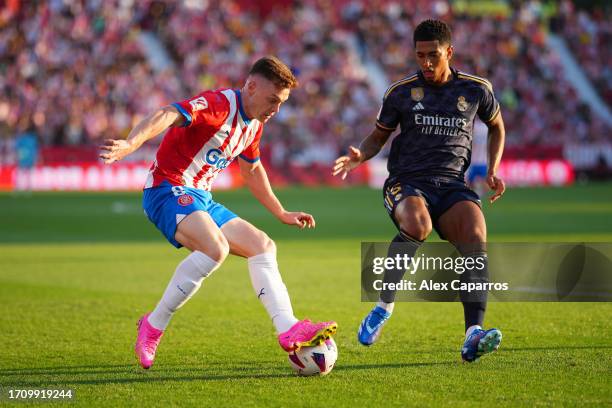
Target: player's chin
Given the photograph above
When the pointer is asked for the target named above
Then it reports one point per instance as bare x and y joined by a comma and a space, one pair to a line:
429, 76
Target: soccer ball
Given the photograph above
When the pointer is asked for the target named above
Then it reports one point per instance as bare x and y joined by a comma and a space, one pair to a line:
316, 360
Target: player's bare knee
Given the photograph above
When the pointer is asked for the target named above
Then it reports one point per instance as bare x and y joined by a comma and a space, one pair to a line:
473, 235
418, 226
417, 229
421, 232
217, 248
222, 249
268, 244
263, 244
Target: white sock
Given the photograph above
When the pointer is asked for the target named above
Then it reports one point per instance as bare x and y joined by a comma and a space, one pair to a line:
184, 284
387, 306
471, 329
271, 290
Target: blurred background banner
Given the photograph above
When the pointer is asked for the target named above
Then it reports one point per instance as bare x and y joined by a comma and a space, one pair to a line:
515, 172
75, 72
130, 176
91, 177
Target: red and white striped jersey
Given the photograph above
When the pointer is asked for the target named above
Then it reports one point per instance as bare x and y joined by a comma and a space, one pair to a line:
215, 132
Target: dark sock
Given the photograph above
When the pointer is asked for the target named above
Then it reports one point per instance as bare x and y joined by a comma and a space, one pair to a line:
474, 302
473, 313
401, 244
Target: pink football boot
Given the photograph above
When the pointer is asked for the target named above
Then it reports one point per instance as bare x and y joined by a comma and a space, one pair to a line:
147, 342
305, 334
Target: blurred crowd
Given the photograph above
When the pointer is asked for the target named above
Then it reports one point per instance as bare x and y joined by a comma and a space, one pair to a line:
539, 105
589, 36
333, 106
76, 72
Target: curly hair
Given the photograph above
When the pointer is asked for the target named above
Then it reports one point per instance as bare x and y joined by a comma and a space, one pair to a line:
432, 30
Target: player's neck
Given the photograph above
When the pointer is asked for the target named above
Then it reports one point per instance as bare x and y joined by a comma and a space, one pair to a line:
447, 76
245, 102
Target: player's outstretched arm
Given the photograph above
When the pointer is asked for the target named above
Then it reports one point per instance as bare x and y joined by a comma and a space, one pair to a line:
151, 126
256, 179
497, 136
368, 148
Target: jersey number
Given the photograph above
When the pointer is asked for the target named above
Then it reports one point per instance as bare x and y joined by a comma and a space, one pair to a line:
178, 191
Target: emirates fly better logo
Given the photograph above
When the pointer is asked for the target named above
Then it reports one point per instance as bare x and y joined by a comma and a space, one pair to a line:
440, 125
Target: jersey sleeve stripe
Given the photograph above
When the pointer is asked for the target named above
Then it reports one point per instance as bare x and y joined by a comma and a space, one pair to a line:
477, 79
401, 82
494, 115
243, 157
185, 114
474, 77
383, 127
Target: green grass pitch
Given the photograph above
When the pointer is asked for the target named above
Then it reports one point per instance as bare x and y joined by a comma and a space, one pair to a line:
77, 270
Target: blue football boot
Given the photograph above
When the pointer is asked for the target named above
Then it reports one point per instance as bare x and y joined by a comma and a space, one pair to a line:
479, 343
372, 325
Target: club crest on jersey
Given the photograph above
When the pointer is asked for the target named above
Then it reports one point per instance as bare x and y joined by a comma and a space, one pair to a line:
417, 94
462, 104
198, 104
185, 200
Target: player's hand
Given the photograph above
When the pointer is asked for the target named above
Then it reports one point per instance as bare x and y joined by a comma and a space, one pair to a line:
497, 185
345, 164
299, 219
116, 150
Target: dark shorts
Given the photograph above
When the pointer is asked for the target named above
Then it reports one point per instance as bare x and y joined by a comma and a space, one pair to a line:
439, 194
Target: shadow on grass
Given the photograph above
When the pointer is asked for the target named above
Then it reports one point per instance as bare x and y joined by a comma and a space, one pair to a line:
106, 368
221, 371
520, 349
556, 348
354, 367
125, 374
125, 369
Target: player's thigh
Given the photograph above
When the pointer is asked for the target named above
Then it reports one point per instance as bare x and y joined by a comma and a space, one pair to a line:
198, 232
463, 223
413, 217
245, 239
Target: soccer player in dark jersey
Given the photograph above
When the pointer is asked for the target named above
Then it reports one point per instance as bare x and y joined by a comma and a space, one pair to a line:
435, 110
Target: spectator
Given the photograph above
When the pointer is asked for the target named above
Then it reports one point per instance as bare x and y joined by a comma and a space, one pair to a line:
75, 70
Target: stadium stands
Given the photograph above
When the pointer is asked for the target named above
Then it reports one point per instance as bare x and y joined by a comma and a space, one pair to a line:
589, 36
75, 72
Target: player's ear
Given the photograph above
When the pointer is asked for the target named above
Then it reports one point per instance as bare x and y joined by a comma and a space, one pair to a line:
251, 84
449, 52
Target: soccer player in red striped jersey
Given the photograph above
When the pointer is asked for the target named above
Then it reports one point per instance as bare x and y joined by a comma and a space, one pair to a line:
204, 135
